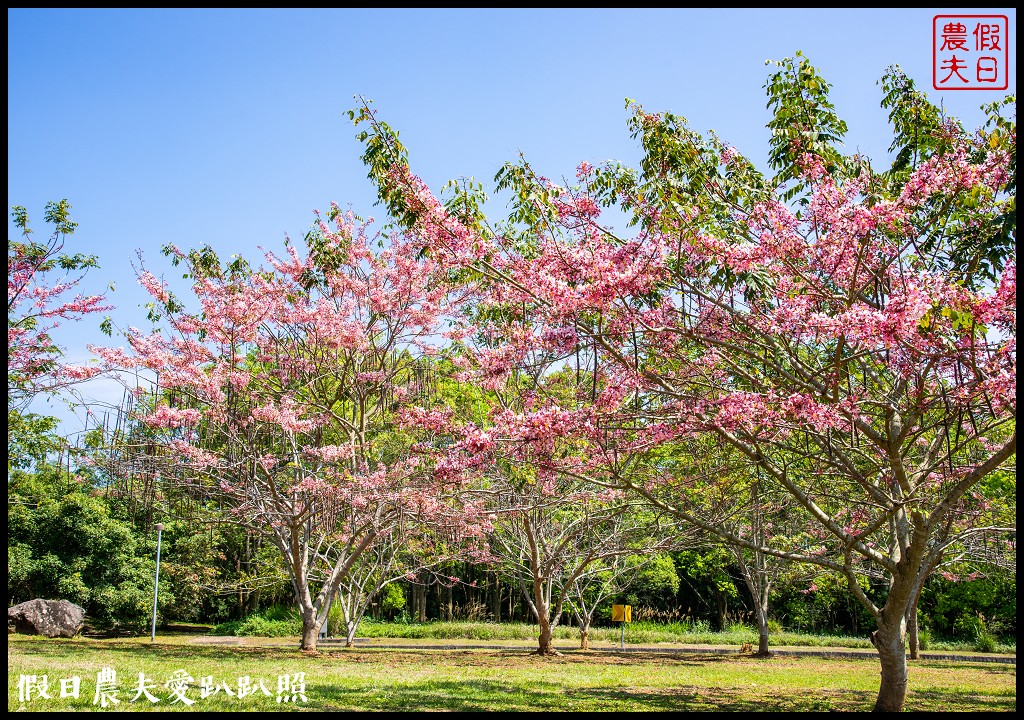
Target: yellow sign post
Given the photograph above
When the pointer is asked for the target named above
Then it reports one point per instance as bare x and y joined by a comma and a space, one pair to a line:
622, 614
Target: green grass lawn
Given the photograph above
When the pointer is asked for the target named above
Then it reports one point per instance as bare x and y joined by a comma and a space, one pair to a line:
381, 679
637, 633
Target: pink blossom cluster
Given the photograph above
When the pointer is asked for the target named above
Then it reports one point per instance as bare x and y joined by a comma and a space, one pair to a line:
36, 306
167, 417
286, 415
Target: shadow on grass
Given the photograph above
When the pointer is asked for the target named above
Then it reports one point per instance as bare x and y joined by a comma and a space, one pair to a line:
393, 680
436, 695
476, 695
938, 701
958, 665
58, 648
630, 658
62, 648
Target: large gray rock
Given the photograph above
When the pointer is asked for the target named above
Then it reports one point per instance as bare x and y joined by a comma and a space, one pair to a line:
52, 618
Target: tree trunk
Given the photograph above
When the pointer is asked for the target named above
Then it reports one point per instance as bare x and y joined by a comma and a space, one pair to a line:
761, 615
310, 629
350, 633
762, 632
544, 646
913, 636
723, 609
758, 589
420, 602
322, 617
542, 613
890, 641
913, 641
496, 600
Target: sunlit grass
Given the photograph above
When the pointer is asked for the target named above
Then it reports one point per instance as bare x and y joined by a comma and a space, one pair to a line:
381, 679
638, 633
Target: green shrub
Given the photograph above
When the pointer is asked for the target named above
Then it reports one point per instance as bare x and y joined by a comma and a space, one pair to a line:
276, 621
700, 626
924, 638
257, 626
655, 585
392, 600
987, 636
335, 620
72, 548
740, 629
282, 613
227, 628
985, 642
951, 608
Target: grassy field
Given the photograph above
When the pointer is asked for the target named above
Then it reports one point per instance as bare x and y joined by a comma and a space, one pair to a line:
637, 633
381, 679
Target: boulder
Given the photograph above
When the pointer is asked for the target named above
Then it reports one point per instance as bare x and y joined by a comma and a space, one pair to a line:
52, 618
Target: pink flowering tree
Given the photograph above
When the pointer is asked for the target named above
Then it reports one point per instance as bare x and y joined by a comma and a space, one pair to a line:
607, 577
515, 444
411, 551
704, 484
277, 397
41, 283
828, 325
560, 546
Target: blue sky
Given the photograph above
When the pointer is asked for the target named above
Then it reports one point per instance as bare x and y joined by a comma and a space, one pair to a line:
227, 127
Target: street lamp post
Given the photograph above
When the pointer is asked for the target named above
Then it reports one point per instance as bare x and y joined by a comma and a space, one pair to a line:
156, 581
